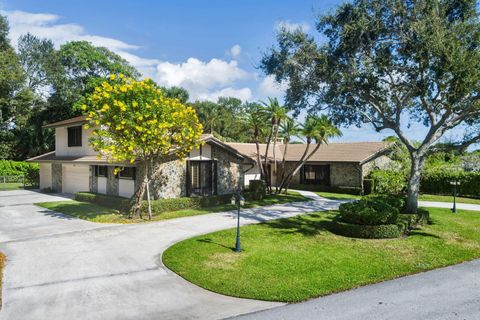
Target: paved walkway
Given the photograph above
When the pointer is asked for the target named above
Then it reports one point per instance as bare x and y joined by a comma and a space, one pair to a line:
449, 205
60, 267
442, 294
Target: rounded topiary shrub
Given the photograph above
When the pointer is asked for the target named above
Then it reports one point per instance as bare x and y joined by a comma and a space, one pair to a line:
258, 189
372, 217
382, 231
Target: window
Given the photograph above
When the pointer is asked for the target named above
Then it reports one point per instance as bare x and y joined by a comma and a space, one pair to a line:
201, 178
316, 174
128, 173
75, 136
101, 171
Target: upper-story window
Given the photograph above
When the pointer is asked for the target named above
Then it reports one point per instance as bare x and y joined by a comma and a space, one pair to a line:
75, 136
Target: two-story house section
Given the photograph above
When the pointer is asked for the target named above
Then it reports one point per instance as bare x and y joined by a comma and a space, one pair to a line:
214, 168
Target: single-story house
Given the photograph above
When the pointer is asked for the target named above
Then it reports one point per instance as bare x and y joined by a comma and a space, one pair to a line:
214, 168
334, 164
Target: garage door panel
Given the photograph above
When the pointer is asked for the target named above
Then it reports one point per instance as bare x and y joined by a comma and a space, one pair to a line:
75, 178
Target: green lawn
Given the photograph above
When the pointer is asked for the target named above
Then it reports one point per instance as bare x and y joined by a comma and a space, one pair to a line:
439, 198
10, 186
96, 213
337, 196
298, 258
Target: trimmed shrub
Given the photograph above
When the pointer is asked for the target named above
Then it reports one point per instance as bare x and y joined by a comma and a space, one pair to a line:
367, 232
174, 204
114, 202
258, 188
310, 187
368, 212
394, 201
389, 181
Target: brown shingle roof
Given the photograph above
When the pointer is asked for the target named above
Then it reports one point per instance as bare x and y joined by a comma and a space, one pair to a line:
79, 120
358, 152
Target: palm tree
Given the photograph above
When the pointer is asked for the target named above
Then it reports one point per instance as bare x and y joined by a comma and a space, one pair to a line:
277, 114
289, 128
316, 129
256, 121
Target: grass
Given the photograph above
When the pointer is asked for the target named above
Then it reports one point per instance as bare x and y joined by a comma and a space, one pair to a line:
337, 196
298, 258
2, 264
440, 198
95, 213
10, 186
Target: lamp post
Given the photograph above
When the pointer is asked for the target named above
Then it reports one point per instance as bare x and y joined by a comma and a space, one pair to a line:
455, 183
239, 200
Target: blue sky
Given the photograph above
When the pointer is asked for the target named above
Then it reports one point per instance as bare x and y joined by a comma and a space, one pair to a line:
212, 48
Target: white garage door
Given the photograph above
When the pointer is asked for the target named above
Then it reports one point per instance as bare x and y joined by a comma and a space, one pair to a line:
75, 178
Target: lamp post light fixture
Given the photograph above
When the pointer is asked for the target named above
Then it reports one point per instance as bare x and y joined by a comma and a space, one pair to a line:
455, 183
238, 200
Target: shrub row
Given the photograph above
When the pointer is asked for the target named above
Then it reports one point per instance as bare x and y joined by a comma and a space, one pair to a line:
158, 206
118, 203
438, 182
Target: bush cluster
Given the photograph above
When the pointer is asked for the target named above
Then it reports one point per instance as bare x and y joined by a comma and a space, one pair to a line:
30, 171
389, 181
377, 216
258, 188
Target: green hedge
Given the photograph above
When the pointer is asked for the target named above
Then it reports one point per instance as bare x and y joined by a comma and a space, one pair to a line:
119, 203
311, 187
29, 170
438, 182
383, 231
158, 206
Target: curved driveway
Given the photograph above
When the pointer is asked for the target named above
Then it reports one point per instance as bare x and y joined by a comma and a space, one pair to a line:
60, 267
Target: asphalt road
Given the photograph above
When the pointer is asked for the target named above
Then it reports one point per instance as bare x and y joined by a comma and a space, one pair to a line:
442, 294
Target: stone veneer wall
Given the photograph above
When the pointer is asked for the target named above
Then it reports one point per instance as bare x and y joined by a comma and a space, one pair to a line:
57, 177
230, 176
170, 183
93, 181
381, 162
112, 182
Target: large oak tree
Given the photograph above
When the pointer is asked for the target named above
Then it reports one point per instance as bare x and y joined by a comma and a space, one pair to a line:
389, 64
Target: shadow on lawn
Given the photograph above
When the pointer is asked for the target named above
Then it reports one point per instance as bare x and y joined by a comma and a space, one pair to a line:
209, 241
308, 225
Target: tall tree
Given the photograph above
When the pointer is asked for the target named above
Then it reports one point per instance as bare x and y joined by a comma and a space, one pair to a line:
389, 64
134, 121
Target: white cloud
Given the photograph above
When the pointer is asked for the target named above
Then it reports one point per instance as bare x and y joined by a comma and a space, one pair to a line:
200, 77
269, 87
243, 94
45, 25
203, 79
291, 26
235, 50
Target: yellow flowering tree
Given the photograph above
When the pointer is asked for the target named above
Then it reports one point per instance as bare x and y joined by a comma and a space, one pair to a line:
134, 122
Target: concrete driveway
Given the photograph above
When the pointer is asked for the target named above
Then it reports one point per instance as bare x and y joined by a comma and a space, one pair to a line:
64, 268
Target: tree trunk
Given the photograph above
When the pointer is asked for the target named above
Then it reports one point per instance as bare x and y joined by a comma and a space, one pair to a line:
282, 167
259, 157
267, 172
418, 161
275, 137
136, 200
288, 178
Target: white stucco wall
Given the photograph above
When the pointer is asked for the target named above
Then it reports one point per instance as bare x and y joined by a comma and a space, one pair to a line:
206, 153
126, 188
45, 175
252, 174
75, 178
61, 143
